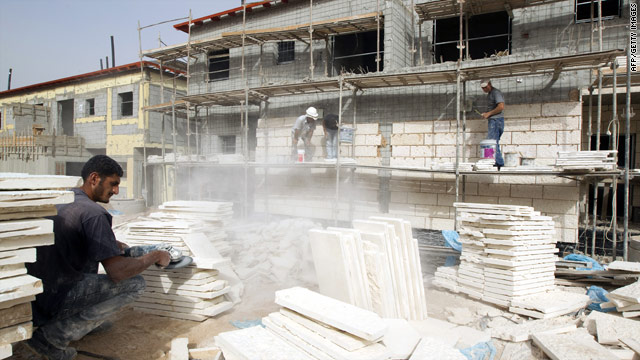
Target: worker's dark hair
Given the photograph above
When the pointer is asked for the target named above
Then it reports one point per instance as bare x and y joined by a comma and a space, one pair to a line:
103, 165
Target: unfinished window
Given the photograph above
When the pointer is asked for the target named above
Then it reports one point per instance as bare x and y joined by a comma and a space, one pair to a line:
286, 51
125, 102
218, 65
487, 35
610, 9
89, 107
356, 53
228, 144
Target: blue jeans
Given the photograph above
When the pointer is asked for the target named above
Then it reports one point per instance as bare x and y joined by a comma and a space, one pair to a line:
332, 143
87, 305
496, 128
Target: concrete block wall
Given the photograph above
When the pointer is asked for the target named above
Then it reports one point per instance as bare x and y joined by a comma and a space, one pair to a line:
426, 199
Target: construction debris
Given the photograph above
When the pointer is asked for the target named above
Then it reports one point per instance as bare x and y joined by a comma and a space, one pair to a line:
576, 345
23, 199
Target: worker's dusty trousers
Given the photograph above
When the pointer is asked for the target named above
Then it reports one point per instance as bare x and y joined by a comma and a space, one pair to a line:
86, 306
496, 128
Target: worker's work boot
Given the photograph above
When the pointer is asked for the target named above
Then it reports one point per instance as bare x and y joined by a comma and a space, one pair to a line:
40, 346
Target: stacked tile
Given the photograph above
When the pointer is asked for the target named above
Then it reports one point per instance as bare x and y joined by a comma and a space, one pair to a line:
586, 160
23, 200
627, 299
310, 326
518, 246
471, 268
375, 266
206, 288
451, 166
447, 277
211, 216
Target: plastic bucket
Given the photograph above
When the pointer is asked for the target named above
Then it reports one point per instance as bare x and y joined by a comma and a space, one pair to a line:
300, 156
488, 149
511, 159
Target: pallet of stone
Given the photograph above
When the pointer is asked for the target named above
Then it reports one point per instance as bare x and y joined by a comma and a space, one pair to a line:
627, 299
22, 181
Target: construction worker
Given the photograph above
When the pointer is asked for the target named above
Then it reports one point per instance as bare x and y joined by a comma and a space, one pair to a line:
330, 126
495, 117
303, 129
76, 299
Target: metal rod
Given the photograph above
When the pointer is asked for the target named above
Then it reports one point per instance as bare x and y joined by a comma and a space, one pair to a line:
145, 186
337, 204
311, 67
377, 35
596, 183
614, 146
245, 129
458, 75
113, 49
627, 154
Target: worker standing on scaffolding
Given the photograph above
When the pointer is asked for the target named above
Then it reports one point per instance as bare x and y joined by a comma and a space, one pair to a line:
495, 117
303, 129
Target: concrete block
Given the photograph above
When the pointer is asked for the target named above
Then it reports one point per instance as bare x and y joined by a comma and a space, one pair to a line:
526, 191
367, 151
360, 140
481, 199
551, 151
561, 192
556, 123
562, 109
367, 129
399, 196
418, 127
554, 180
423, 198
515, 201
441, 224
446, 200
373, 161
402, 209
282, 132
373, 139
401, 151
407, 139
440, 126
527, 151
398, 128
443, 212
445, 139
494, 189
416, 221
407, 162
534, 137
518, 124
446, 152
567, 235
404, 185
478, 126
555, 206
422, 151
431, 187
522, 111
568, 137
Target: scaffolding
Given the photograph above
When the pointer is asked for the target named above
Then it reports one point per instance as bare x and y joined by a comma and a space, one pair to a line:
464, 71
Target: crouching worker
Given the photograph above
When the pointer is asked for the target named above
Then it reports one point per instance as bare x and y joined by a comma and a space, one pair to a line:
76, 299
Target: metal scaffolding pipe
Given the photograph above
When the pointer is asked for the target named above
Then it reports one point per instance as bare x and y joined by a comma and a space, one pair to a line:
337, 205
627, 160
614, 146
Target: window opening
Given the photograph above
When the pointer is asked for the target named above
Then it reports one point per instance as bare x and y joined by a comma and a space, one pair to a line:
610, 10
356, 53
286, 51
489, 34
219, 65
126, 103
228, 144
90, 107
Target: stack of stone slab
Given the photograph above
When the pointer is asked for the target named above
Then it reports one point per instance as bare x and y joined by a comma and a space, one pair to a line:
627, 299
375, 265
23, 200
311, 326
206, 288
587, 160
508, 258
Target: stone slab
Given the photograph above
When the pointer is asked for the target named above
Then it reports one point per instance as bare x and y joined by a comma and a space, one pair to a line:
338, 314
577, 345
16, 333
17, 199
19, 287
20, 181
629, 293
610, 328
257, 343
401, 338
5, 351
179, 349
552, 301
523, 331
630, 266
330, 261
434, 348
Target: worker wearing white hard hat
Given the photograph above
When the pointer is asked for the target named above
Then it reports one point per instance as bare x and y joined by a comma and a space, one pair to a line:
303, 129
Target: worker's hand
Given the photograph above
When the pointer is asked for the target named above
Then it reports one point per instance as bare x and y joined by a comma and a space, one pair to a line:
121, 246
163, 258
486, 115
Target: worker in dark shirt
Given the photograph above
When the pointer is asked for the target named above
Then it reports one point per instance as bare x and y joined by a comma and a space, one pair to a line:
76, 299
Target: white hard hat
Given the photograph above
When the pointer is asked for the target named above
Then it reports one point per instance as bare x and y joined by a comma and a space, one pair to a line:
485, 83
312, 112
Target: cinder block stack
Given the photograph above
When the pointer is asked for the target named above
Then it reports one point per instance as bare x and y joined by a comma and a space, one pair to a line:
207, 287
24, 199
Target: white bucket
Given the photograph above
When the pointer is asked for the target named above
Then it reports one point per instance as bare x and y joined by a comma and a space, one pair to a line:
301, 155
488, 149
511, 159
